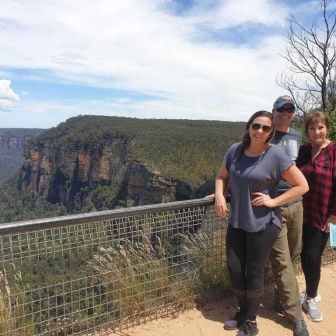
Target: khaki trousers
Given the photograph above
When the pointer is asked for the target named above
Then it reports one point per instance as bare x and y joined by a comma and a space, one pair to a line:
286, 249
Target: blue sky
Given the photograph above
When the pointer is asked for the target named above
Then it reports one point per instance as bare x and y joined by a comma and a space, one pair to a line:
189, 59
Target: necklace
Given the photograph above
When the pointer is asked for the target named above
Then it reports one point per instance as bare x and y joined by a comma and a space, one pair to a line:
317, 150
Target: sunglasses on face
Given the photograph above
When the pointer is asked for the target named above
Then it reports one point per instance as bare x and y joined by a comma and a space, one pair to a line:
286, 109
265, 128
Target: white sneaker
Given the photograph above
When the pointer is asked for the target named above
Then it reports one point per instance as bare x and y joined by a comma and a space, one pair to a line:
303, 297
310, 307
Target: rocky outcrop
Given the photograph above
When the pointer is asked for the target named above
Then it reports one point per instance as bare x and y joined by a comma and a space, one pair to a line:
141, 186
74, 175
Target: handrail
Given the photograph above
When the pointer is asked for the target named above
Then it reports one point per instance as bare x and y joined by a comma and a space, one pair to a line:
62, 221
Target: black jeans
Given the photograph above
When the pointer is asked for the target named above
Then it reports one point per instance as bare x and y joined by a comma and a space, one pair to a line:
247, 253
314, 243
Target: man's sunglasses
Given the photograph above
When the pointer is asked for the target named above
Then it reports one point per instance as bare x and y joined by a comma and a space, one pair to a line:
286, 109
265, 128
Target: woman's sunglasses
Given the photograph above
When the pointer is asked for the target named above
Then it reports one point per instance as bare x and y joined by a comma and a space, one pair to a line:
265, 128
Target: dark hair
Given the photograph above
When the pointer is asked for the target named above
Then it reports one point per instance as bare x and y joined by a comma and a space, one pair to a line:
316, 115
246, 140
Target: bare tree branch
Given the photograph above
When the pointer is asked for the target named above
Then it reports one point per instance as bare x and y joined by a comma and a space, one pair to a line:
311, 57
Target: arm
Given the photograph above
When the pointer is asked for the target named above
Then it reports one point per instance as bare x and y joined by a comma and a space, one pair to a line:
332, 215
220, 185
299, 186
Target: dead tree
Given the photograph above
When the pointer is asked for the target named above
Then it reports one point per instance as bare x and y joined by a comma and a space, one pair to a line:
311, 56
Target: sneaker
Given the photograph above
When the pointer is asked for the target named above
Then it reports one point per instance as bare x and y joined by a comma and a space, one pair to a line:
310, 307
303, 297
235, 322
249, 328
300, 328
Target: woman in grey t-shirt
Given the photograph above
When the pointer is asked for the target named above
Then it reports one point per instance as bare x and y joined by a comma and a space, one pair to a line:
252, 169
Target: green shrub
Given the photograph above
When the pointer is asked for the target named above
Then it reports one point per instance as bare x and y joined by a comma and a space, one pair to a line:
332, 133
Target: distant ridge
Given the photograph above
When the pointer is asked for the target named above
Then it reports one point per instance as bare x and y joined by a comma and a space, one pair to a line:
12, 142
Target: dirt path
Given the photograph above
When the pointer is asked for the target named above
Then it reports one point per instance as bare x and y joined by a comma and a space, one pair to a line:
208, 321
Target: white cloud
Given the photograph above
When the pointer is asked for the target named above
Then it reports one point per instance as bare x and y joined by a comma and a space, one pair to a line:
230, 13
134, 45
8, 98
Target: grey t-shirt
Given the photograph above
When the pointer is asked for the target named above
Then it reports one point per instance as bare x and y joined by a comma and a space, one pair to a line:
290, 142
254, 174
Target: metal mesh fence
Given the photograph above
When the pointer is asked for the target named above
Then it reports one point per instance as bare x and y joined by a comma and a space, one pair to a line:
83, 275
97, 272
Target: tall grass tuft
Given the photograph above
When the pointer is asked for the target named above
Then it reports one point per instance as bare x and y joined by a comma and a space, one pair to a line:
13, 317
138, 278
210, 272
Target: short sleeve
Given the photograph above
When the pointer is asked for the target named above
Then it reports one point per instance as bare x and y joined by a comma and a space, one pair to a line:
229, 155
282, 160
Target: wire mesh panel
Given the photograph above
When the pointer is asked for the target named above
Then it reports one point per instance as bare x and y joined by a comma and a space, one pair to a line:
94, 273
89, 274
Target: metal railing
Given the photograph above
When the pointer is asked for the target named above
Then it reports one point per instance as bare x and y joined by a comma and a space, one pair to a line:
89, 273
97, 272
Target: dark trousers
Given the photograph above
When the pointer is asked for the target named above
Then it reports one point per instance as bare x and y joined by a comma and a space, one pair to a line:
314, 243
247, 253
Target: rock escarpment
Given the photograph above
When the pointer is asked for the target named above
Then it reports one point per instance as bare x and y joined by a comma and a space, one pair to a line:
94, 176
16, 138
12, 142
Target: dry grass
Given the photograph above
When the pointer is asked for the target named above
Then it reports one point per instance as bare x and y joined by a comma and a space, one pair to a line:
135, 276
210, 272
12, 308
140, 278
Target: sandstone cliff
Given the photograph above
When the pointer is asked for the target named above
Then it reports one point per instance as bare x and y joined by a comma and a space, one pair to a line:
74, 176
14, 139
12, 142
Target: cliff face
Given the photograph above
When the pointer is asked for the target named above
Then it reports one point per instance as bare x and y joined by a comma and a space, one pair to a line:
95, 177
13, 142
140, 186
